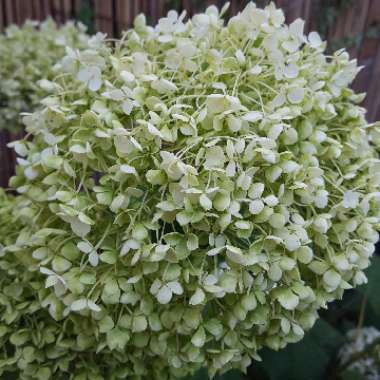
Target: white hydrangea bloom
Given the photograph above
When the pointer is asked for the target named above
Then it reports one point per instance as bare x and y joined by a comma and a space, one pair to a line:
209, 186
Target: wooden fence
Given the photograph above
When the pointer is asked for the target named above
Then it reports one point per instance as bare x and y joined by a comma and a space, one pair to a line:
354, 24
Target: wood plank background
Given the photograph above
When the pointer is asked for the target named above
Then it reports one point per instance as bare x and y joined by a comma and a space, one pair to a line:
358, 21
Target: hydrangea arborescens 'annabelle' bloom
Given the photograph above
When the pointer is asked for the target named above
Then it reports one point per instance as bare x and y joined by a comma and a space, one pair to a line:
28, 55
194, 194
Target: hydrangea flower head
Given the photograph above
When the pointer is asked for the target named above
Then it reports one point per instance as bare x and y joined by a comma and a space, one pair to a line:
191, 195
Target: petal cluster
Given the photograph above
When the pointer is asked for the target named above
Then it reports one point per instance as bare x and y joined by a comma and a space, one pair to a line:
28, 57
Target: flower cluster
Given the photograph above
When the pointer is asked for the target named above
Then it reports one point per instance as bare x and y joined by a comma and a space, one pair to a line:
190, 195
28, 56
361, 353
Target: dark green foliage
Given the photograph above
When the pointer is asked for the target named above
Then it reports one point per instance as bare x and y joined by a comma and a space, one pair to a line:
86, 15
306, 360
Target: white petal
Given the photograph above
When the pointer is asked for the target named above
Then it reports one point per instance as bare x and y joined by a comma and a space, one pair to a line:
127, 76
234, 123
271, 200
128, 169
114, 94
231, 169
255, 70
256, 190
351, 199
210, 279
47, 271
288, 299
164, 295
275, 131
321, 199
292, 242
296, 95
51, 281
296, 28
93, 258
242, 225
252, 116
199, 338
332, 279
79, 149
153, 130
85, 247
95, 83
79, 305
315, 39
163, 86
30, 173
236, 255
127, 107
79, 228
216, 103
84, 74
93, 306
155, 287
215, 157
198, 297
291, 71
240, 56
215, 251
304, 254
205, 202
175, 287
255, 207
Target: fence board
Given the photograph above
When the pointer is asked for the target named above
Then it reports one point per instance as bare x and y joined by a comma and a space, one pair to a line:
125, 13
2, 20
8, 12
25, 10
103, 10
315, 7
76, 5
336, 31
307, 13
67, 9
293, 9
187, 6
36, 10
18, 12
46, 8
372, 101
56, 10
357, 24
156, 10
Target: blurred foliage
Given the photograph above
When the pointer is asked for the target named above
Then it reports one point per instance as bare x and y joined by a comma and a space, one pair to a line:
355, 40
328, 15
329, 12
86, 15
